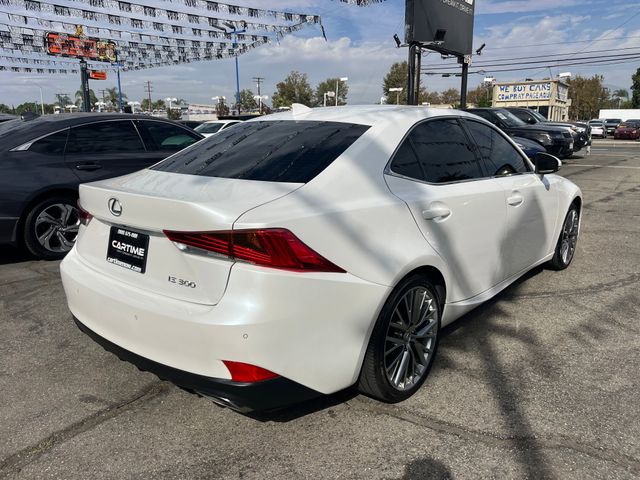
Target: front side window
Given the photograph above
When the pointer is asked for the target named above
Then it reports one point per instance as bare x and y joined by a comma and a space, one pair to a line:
104, 137
51, 144
274, 151
499, 156
162, 136
444, 152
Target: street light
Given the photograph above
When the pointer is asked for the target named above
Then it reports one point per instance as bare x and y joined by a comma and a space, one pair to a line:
259, 99
170, 99
327, 94
341, 79
397, 90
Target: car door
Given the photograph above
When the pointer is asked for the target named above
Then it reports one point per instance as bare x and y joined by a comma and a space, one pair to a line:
459, 210
531, 200
162, 139
104, 149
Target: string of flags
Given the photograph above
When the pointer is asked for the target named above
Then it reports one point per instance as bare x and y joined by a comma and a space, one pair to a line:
176, 32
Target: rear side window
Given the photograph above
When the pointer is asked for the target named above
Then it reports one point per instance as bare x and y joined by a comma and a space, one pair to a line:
162, 136
273, 151
443, 151
51, 144
209, 127
104, 137
499, 156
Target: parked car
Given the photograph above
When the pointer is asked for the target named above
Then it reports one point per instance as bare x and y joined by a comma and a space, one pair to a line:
304, 252
45, 159
556, 140
190, 123
580, 131
598, 128
5, 117
529, 147
212, 127
629, 129
612, 124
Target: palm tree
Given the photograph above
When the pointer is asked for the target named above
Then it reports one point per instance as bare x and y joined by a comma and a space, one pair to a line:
111, 96
620, 94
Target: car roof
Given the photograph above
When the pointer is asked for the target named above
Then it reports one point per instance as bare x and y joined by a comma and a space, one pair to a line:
220, 121
17, 132
364, 114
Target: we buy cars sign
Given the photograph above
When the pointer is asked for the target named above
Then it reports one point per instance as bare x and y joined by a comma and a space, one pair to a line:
63, 45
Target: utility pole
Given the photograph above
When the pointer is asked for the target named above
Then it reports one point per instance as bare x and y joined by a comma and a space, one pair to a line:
84, 82
148, 89
259, 81
102, 92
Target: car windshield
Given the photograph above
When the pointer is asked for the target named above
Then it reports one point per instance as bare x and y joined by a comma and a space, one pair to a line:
538, 116
613, 120
208, 127
273, 151
629, 124
509, 118
595, 123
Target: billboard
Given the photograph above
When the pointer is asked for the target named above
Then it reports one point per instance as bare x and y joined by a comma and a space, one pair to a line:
63, 45
97, 75
518, 92
447, 25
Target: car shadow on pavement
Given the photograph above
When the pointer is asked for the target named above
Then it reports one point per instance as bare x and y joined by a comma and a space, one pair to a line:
426, 469
10, 254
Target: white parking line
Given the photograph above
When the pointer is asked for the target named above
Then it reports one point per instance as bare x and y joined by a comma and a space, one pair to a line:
597, 166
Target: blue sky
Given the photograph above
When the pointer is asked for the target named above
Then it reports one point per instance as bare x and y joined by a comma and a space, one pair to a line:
359, 45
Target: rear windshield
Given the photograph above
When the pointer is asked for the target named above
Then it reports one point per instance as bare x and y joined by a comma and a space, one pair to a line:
273, 151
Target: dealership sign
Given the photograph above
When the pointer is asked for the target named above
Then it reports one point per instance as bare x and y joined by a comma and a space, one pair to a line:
63, 45
518, 92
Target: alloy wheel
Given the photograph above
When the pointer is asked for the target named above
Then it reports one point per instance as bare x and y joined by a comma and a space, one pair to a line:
569, 236
411, 338
56, 227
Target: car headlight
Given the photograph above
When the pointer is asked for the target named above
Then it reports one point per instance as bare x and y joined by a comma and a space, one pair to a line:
545, 139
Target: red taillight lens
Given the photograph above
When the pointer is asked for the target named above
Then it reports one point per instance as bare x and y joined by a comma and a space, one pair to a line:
84, 216
269, 247
243, 372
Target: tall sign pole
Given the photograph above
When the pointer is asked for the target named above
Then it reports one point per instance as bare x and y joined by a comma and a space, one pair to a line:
84, 82
465, 60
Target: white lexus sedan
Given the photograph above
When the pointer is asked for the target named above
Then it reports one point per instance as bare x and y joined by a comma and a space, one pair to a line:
305, 252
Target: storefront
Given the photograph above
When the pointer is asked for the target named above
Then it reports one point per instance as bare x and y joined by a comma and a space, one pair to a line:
549, 97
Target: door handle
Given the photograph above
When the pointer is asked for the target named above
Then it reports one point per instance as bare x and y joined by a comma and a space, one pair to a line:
88, 166
436, 212
515, 199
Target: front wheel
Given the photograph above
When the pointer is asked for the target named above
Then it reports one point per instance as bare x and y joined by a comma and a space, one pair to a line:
566, 246
403, 342
51, 227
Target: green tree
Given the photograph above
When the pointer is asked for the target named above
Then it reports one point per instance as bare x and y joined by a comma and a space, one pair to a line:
329, 85
222, 109
451, 96
397, 77
635, 88
5, 108
480, 96
174, 114
92, 98
63, 100
111, 97
293, 89
588, 96
247, 101
155, 105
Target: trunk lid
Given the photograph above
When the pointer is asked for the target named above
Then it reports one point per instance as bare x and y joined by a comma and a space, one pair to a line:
149, 202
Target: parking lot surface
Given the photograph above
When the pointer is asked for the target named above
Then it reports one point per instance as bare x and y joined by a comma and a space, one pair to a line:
541, 382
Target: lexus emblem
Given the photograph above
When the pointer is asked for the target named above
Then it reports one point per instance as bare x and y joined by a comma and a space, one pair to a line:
115, 207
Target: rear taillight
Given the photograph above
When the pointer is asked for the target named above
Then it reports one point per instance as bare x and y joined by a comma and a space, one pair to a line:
268, 247
243, 372
84, 216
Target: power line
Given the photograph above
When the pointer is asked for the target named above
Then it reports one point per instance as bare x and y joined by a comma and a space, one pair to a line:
485, 64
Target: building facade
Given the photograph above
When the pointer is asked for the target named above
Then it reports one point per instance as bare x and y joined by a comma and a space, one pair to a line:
549, 97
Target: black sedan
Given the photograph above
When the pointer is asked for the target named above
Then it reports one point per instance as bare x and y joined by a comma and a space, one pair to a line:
45, 159
557, 141
581, 132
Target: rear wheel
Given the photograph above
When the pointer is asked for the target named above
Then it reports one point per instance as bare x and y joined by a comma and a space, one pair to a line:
51, 227
403, 342
566, 246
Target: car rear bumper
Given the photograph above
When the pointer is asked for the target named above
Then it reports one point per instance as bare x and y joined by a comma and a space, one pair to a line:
310, 328
240, 396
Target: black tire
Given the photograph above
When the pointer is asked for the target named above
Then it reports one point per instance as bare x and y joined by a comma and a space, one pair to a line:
35, 227
374, 380
567, 241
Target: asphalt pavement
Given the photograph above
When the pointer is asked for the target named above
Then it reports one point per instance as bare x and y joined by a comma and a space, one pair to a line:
541, 382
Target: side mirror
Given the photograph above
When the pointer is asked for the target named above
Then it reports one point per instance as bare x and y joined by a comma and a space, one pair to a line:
546, 163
